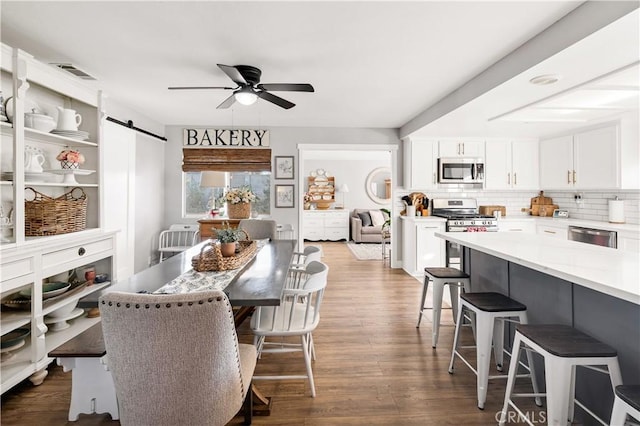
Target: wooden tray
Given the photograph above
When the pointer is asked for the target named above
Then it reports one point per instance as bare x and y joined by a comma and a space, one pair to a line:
211, 259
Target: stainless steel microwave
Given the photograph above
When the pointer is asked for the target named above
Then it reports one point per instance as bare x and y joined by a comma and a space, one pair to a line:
460, 170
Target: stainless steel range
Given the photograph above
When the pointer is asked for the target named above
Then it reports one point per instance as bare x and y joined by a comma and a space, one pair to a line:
462, 216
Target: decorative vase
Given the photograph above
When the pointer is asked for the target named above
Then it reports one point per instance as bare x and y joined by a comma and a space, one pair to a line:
228, 249
239, 211
69, 165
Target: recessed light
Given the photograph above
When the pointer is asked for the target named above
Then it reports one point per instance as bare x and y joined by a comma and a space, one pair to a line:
545, 79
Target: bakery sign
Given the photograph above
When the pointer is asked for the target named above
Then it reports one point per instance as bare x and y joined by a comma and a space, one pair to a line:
225, 138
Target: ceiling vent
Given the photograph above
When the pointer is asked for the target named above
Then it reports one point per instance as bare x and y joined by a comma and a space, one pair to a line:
70, 68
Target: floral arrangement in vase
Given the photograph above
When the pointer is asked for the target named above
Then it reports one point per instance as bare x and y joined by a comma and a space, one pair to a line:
238, 195
306, 199
70, 159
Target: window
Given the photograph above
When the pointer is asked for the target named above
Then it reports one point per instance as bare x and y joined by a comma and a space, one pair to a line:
199, 200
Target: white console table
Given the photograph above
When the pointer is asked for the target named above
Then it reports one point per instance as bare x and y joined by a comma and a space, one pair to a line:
332, 225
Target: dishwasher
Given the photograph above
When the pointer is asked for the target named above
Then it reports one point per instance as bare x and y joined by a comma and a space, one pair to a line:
598, 237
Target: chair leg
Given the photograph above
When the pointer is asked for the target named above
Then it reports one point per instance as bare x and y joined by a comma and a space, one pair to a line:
619, 412
306, 351
456, 336
511, 380
438, 289
454, 290
498, 342
425, 286
248, 406
484, 328
558, 378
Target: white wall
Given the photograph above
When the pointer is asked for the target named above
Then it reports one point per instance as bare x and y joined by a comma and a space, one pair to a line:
284, 141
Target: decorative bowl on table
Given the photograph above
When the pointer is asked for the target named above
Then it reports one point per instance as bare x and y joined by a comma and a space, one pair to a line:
11, 342
64, 311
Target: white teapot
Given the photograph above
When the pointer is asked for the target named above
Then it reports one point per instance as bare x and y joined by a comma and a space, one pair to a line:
68, 119
33, 159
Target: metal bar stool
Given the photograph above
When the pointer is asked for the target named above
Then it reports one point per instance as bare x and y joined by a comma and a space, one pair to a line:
563, 348
491, 311
455, 278
627, 402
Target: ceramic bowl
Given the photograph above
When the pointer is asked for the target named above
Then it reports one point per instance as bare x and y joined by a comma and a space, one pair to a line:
64, 311
14, 337
48, 290
41, 122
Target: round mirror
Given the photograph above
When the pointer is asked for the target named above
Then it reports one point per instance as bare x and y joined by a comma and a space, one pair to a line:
378, 185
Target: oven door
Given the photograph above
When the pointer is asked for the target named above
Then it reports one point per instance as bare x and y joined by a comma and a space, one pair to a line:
460, 170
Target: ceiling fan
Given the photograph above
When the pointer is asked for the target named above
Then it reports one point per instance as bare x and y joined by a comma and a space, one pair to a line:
249, 88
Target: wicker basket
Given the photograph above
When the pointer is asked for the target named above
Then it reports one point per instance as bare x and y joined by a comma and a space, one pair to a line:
211, 259
239, 211
45, 215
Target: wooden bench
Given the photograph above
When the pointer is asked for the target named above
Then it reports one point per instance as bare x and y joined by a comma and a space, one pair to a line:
92, 388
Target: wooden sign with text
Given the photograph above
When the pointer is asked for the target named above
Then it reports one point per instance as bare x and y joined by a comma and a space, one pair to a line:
225, 138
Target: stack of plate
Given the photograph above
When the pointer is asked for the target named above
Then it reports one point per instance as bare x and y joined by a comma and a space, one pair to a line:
74, 134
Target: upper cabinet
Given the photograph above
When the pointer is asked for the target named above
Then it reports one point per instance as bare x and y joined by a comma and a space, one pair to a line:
39, 99
589, 159
420, 159
511, 164
461, 148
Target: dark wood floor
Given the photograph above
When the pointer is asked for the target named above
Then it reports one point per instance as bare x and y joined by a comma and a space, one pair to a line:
373, 367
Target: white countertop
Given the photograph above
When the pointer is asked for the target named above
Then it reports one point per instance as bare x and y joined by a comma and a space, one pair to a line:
610, 271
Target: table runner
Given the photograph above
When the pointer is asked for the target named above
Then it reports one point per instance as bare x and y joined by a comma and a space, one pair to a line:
192, 280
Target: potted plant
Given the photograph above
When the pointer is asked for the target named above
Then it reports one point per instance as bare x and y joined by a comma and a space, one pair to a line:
70, 159
228, 238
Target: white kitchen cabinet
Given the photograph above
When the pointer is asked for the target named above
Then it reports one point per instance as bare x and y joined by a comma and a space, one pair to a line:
517, 225
26, 268
420, 164
553, 230
420, 247
332, 225
26, 262
629, 241
511, 164
461, 148
584, 160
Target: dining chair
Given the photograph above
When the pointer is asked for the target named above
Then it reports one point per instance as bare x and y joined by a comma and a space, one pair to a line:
297, 315
175, 359
176, 239
308, 255
259, 229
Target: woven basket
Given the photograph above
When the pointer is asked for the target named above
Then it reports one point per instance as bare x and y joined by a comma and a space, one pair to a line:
45, 215
239, 211
211, 259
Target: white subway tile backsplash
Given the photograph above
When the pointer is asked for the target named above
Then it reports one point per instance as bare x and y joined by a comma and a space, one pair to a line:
594, 205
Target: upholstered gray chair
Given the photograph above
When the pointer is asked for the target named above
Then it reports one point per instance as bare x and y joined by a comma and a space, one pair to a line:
259, 229
175, 359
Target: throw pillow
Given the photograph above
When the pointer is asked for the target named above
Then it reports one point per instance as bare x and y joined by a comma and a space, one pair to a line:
365, 218
376, 217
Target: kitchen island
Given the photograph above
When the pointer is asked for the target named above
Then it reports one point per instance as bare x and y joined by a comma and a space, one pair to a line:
594, 289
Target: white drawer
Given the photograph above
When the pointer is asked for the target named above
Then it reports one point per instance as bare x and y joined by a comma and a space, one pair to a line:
17, 268
334, 233
75, 253
313, 222
335, 221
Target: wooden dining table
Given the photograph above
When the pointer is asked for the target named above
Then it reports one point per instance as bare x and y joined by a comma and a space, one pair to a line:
258, 283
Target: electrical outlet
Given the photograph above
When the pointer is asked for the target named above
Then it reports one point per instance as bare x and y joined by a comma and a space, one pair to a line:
578, 197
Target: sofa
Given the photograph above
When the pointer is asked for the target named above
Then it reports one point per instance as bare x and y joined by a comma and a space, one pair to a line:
363, 229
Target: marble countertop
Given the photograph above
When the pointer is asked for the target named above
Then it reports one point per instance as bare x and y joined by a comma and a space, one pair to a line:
609, 271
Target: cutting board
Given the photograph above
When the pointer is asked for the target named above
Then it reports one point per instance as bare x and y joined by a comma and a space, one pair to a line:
541, 200
488, 210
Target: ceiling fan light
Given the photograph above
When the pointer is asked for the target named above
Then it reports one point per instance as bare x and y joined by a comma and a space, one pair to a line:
246, 97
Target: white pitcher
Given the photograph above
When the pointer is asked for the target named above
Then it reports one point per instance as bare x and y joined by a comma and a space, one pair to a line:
68, 119
33, 160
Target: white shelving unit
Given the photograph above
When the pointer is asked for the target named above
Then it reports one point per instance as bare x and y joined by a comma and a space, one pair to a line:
28, 261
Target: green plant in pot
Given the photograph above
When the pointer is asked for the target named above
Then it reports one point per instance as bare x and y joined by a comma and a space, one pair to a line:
228, 238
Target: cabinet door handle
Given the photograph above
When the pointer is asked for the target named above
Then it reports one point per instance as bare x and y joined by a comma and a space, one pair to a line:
458, 148
81, 251
515, 178
569, 177
574, 176
462, 148
550, 232
508, 178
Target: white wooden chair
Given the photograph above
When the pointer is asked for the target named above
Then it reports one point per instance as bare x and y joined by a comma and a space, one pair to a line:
176, 239
298, 315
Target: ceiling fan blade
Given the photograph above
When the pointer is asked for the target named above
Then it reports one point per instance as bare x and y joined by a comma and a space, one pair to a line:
233, 74
286, 87
227, 102
276, 100
199, 88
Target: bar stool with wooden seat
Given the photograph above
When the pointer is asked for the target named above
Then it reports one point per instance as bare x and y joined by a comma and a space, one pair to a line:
563, 348
440, 277
491, 311
627, 402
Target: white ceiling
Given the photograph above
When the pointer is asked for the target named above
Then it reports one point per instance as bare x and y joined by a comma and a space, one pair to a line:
373, 64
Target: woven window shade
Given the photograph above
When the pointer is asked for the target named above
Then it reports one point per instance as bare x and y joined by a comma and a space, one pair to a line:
226, 160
